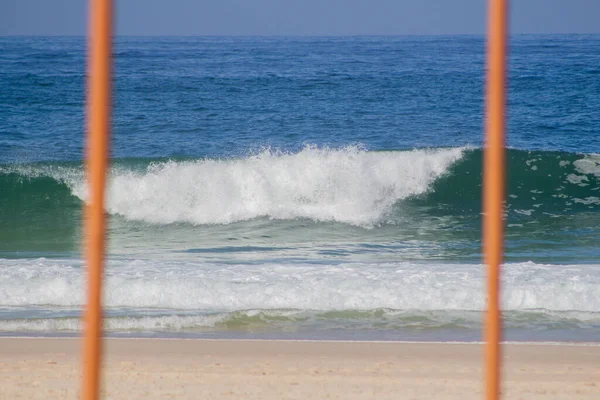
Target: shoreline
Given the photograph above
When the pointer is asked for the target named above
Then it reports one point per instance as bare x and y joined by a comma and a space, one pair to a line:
32, 368
285, 340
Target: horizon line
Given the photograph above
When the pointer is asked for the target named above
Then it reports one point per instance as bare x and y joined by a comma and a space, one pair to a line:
308, 35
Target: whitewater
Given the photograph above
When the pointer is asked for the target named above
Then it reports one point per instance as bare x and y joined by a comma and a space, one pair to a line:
313, 241
347, 185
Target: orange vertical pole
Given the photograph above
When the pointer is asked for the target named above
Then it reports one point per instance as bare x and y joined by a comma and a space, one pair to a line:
98, 131
494, 178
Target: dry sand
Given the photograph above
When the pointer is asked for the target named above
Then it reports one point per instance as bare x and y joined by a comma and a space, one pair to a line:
203, 369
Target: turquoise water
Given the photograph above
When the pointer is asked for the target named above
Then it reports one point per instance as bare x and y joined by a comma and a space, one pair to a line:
302, 187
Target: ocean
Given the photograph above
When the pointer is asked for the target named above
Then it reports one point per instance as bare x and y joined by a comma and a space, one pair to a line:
302, 187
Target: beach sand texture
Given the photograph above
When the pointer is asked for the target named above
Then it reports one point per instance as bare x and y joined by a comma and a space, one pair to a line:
204, 369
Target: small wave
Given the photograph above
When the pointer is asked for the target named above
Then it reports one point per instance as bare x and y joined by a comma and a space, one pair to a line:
311, 321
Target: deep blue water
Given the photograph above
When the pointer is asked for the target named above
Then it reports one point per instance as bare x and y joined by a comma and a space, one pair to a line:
200, 97
302, 185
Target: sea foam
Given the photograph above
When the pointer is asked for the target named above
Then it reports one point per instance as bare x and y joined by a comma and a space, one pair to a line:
202, 286
348, 185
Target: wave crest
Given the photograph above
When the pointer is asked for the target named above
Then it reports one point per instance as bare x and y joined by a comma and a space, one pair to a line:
347, 185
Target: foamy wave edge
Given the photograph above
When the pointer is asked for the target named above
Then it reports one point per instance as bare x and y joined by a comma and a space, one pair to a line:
348, 185
199, 286
265, 320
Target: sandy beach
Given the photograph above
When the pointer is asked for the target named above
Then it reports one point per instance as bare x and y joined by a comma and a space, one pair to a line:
205, 369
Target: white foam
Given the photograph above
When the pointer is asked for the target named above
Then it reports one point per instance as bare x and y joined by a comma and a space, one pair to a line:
150, 323
588, 200
589, 165
577, 179
347, 185
353, 286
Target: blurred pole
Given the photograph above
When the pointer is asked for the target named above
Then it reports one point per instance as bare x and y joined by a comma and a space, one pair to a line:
98, 132
494, 187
